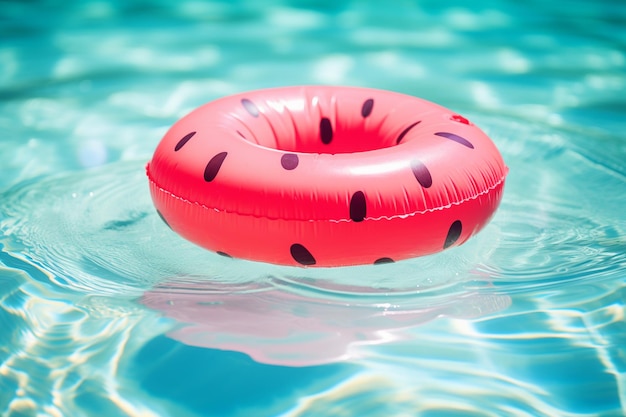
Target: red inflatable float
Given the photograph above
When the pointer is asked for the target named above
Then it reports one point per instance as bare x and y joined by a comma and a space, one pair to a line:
325, 176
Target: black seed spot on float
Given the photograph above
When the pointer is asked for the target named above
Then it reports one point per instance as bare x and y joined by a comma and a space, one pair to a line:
326, 131
163, 218
301, 255
453, 234
358, 207
250, 107
240, 134
381, 261
224, 254
422, 174
455, 138
405, 131
214, 165
289, 161
183, 141
368, 105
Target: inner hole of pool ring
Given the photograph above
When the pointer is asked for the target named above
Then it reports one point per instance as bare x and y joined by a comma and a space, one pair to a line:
290, 128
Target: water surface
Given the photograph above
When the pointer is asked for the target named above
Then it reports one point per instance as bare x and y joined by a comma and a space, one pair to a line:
105, 311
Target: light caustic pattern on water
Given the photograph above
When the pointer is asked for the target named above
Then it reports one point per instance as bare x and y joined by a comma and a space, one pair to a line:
105, 311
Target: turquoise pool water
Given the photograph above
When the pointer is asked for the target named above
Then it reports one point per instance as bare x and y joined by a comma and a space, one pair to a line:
105, 312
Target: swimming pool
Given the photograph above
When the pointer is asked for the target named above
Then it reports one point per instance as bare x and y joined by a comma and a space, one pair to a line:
105, 312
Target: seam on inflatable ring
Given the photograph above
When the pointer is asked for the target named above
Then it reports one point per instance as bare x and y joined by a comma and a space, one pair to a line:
395, 216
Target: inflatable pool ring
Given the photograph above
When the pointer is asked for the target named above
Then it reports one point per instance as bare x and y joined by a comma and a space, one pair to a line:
325, 176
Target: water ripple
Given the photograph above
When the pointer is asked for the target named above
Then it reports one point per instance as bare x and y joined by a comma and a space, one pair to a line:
97, 231
561, 216
95, 237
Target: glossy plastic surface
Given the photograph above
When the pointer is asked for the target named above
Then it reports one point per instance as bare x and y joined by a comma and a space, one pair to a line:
325, 176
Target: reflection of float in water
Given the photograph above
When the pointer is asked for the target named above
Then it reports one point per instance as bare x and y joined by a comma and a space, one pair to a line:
286, 328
